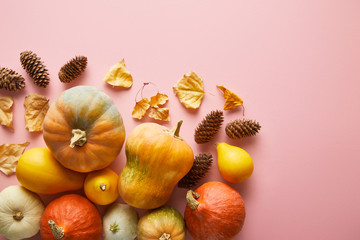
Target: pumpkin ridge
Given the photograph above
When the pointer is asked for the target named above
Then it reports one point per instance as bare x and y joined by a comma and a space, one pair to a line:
63, 113
108, 106
77, 112
104, 112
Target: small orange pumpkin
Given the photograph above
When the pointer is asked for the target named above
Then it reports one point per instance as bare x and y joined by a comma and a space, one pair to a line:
217, 213
71, 217
83, 129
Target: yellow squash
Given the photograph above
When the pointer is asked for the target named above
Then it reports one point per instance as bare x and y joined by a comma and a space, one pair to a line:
100, 186
38, 171
157, 158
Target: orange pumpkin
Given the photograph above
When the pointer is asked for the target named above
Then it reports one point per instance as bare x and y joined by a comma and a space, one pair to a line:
71, 217
83, 129
215, 211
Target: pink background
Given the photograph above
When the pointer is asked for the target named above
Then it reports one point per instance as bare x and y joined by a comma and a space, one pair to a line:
294, 63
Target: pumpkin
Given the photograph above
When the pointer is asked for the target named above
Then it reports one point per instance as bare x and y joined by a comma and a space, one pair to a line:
38, 171
120, 222
157, 158
215, 211
101, 187
71, 217
20, 212
164, 223
83, 129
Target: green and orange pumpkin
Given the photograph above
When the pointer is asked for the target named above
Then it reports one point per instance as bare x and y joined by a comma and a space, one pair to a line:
157, 158
83, 129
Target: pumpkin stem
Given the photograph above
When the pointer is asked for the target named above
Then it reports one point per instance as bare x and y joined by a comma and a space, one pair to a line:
58, 232
114, 227
165, 236
193, 204
78, 138
102, 187
176, 130
18, 216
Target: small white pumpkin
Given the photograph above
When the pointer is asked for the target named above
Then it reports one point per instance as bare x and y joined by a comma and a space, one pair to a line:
120, 222
20, 213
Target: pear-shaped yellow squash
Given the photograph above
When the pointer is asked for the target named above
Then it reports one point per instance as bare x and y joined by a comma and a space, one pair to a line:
38, 171
157, 158
234, 163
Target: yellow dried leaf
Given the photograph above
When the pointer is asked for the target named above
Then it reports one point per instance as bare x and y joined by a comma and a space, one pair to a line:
231, 99
158, 99
119, 76
6, 115
36, 107
140, 108
190, 90
9, 156
159, 113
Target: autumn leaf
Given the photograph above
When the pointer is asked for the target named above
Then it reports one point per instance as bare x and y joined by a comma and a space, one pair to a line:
119, 76
190, 90
159, 113
231, 99
140, 108
158, 99
36, 107
9, 156
6, 115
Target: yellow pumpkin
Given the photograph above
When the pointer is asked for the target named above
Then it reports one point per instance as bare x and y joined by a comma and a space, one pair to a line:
101, 187
38, 171
83, 129
157, 158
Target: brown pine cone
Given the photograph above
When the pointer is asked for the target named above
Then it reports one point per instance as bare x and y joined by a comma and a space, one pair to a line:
35, 68
242, 128
11, 80
201, 166
209, 126
72, 69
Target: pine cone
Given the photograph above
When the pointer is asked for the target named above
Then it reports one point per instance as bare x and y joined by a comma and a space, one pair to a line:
202, 164
35, 68
11, 80
242, 128
72, 69
209, 126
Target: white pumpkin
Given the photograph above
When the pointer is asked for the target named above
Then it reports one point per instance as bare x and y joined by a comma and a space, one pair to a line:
20, 213
120, 222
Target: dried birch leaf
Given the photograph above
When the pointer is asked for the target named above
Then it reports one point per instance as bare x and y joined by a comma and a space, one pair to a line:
6, 115
9, 156
231, 99
36, 107
140, 108
190, 90
159, 113
119, 76
158, 99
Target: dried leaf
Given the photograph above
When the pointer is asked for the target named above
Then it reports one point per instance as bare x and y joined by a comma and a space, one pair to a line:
6, 115
190, 90
9, 156
118, 75
36, 107
231, 99
158, 99
159, 113
140, 108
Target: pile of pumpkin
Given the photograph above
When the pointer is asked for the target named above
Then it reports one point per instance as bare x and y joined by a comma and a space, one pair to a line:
84, 133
